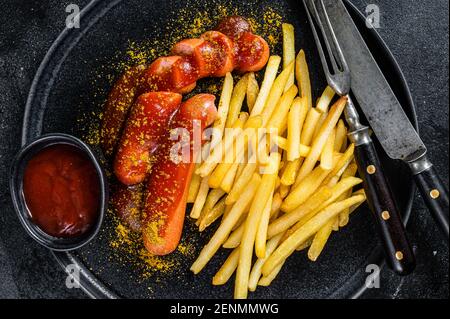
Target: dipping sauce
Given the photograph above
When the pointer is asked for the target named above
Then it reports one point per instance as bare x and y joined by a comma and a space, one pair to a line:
61, 188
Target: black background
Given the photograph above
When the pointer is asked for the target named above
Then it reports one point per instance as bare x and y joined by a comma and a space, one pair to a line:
417, 33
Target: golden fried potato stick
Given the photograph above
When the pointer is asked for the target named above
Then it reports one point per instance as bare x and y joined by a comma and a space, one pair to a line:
237, 99
211, 200
235, 237
341, 136
278, 117
303, 80
305, 189
302, 234
288, 51
265, 281
226, 271
269, 77
325, 100
319, 124
242, 181
284, 222
351, 171
318, 144
320, 240
326, 158
193, 188
252, 91
255, 273
251, 224
261, 232
227, 224
222, 110
341, 165
214, 214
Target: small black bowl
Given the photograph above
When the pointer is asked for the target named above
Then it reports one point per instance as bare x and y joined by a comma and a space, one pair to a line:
16, 188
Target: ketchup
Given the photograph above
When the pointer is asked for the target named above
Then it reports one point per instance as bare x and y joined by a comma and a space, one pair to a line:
61, 189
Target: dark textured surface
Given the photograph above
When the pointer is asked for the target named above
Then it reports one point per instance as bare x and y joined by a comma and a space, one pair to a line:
418, 37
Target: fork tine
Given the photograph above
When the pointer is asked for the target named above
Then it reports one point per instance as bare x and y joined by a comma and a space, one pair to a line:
336, 48
339, 80
318, 15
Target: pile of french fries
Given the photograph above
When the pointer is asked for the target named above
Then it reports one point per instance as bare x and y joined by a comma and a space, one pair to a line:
278, 197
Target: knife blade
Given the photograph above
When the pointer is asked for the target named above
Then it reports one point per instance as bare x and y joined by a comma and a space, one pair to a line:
382, 109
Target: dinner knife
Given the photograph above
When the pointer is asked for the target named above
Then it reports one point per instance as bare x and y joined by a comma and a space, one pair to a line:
382, 109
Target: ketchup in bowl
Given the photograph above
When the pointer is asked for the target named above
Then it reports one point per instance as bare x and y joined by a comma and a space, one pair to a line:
61, 189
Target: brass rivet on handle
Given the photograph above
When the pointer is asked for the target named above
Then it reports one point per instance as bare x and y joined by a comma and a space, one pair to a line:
371, 169
435, 194
399, 255
385, 215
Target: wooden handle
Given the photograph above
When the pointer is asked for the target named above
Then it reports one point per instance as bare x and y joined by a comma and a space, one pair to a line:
399, 254
435, 195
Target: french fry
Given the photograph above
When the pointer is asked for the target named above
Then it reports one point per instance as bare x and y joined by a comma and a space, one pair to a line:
222, 110
276, 120
276, 93
341, 136
325, 100
302, 234
288, 51
214, 214
228, 268
281, 142
242, 181
319, 142
237, 99
309, 126
255, 273
261, 233
235, 237
269, 77
284, 191
320, 239
236, 137
343, 162
326, 158
228, 180
304, 189
305, 245
251, 224
211, 200
193, 188
252, 90
201, 199
276, 205
227, 224
284, 222
340, 188
265, 281
319, 124
303, 80
293, 151
349, 172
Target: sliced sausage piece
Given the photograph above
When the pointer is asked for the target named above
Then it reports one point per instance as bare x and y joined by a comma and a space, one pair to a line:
115, 112
224, 53
253, 52
234, 26
148, 121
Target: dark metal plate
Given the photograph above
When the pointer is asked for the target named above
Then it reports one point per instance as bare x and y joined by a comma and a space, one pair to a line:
67, 88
